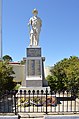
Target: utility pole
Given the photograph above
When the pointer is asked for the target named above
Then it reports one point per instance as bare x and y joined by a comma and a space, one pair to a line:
0, 29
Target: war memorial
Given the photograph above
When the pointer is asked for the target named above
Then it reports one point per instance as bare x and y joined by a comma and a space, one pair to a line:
34, 69
59, 105
47, 101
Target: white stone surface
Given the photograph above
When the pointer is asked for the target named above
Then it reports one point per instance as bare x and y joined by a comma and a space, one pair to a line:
34, 26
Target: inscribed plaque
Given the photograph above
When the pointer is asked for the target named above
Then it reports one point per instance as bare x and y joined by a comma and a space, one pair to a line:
33, 67
33, 52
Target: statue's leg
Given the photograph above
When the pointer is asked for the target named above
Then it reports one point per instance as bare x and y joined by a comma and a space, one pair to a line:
34, 37
37, 39
31, 39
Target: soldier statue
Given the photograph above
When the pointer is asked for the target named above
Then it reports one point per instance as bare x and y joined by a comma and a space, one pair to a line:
34, 25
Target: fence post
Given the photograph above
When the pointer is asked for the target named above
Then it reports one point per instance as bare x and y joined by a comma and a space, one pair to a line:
46, 100
15, 102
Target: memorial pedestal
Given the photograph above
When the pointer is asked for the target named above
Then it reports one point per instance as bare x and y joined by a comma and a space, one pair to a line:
34, 67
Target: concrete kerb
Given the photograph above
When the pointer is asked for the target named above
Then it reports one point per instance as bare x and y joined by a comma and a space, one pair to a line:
41, 116
61, 117
9, 116
32, 115
44, 116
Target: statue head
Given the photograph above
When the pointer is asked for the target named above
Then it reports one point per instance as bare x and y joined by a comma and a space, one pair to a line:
35, 12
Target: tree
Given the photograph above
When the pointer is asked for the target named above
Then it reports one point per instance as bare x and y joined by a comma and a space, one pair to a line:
65, 74
22, 62
6, 77
7, 58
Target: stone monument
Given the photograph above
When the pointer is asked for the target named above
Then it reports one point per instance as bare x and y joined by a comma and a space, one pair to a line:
34, 26
34, 71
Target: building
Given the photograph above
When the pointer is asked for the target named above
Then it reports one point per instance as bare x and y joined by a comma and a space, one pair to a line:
19, 70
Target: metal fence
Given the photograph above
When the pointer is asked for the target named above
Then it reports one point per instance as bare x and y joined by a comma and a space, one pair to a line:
8, 102
39, 102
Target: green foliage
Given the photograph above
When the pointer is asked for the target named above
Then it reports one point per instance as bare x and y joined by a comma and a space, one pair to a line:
17, 87
36, 99
7, 58
6, 77
23, 62
65, 74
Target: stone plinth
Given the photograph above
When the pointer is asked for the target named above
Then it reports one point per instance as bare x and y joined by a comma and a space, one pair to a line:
34, 67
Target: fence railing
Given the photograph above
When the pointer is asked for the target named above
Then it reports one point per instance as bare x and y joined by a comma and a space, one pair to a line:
39, 102
7, 102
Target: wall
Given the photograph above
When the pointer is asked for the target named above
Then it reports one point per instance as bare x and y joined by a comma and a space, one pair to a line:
20, 71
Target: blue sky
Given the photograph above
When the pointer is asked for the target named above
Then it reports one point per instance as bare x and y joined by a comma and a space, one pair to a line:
59, 37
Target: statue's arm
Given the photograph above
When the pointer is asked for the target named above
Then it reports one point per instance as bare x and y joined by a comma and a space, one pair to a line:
40, 22
29, 25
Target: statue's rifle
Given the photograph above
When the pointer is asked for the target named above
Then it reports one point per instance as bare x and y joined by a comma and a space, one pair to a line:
29, 28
